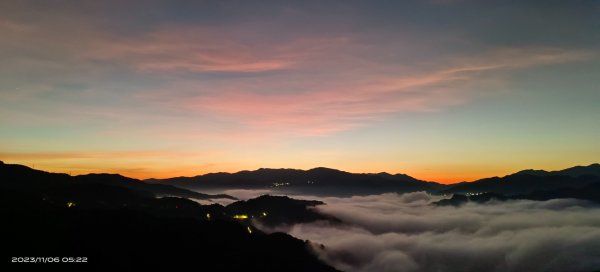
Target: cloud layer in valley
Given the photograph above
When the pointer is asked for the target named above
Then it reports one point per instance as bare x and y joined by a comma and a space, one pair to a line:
392, 232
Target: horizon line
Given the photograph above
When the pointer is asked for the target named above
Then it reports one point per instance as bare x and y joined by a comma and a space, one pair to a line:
299, 169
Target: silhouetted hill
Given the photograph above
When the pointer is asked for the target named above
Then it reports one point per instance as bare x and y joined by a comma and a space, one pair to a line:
458, 199
135, 184
314, 181
589, 192
326, 181
528, 181
577, 171
277, 210
11, 173
124, 228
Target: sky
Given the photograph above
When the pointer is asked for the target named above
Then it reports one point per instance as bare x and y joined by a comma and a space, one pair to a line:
442, 90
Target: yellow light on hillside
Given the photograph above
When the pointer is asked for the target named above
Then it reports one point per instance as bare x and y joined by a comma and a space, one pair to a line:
240, 216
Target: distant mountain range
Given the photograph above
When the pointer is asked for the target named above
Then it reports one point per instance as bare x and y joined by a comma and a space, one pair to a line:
320, 181
529, 181
577, 171
590, 192
326, 181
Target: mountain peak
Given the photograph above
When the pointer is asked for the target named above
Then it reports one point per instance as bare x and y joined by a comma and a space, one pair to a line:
533, 172
576, 171
325, 170
104, 175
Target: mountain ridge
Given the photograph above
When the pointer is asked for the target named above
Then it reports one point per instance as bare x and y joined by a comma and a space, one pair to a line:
575, 171
322, 180
329, 181
319, 180
21, 173
529, 181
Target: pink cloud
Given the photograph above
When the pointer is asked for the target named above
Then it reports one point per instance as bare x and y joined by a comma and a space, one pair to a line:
201, 49
326, 107
328, 84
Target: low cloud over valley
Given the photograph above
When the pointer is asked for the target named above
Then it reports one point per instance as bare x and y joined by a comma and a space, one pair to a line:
392, 232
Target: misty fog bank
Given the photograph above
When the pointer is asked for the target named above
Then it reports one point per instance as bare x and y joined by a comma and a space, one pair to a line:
392, 232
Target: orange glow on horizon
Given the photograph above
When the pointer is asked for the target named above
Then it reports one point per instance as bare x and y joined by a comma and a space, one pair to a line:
444, 175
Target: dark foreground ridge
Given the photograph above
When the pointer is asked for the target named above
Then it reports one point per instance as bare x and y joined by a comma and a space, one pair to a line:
123, 228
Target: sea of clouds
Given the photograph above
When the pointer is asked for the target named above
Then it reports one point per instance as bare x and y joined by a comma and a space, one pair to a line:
392, 232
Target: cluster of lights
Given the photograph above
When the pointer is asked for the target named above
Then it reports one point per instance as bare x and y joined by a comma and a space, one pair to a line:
240, 216
474, 194
279, 184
